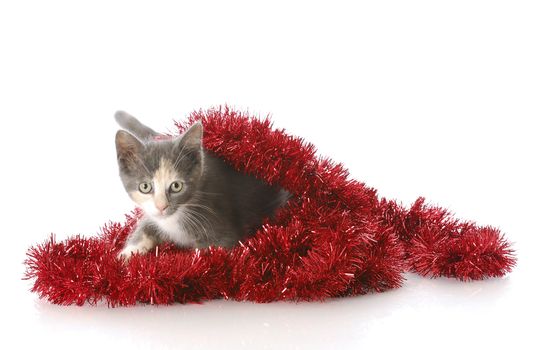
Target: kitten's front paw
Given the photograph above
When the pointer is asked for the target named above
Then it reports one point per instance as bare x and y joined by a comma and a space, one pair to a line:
127, 252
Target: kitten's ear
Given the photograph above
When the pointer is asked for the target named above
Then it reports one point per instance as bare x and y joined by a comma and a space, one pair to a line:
128, 148
128, 122
193, 136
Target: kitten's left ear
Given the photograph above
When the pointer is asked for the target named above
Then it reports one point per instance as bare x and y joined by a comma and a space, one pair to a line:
193, 136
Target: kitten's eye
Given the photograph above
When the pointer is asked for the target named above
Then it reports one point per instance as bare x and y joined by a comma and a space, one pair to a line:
145, 187
176, 186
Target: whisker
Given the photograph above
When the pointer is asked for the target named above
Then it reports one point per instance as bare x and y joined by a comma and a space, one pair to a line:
200, 215
196, 223
188, 222
196, 205
208, 193
209, 210
179, 158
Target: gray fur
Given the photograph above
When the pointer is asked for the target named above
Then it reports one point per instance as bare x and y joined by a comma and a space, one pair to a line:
128, 122
224, 205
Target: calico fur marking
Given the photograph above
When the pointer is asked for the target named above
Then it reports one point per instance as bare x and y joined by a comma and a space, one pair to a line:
189, 196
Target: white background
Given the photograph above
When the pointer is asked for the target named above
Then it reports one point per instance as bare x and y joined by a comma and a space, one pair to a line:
436, 98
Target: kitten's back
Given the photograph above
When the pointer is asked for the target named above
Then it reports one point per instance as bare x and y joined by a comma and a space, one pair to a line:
244, 201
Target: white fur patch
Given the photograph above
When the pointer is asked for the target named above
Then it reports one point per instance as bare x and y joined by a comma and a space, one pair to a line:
171, 227
142, 247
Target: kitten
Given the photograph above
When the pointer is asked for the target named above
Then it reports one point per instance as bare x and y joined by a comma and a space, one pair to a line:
188, 196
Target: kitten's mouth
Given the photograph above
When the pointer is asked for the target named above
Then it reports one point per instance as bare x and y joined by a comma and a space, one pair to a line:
165, 213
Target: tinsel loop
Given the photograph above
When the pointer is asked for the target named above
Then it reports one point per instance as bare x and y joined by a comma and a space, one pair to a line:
335, 237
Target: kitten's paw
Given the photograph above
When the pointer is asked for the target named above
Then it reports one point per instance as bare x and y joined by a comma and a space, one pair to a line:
127, 252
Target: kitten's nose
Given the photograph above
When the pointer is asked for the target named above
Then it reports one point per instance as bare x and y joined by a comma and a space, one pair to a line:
161, 207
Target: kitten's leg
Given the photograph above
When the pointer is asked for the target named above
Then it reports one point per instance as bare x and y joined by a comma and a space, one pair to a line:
140, 241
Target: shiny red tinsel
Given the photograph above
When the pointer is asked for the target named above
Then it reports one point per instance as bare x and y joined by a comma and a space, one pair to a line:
334, 238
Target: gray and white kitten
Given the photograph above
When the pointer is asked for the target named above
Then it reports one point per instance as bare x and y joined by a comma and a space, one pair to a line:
188, 196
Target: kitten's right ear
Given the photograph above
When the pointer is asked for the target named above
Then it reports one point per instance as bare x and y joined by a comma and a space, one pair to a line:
128, 149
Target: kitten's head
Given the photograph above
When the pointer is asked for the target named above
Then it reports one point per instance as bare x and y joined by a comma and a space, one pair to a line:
160, 176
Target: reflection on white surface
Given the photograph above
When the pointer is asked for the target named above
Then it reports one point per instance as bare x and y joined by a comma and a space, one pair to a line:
440, 306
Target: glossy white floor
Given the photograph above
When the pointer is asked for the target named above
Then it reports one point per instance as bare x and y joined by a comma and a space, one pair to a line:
424, 313
415, 98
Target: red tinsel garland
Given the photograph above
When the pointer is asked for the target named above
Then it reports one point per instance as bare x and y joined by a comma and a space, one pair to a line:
335, 237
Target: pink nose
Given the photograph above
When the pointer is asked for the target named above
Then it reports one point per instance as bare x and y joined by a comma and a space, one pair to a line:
161, 207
